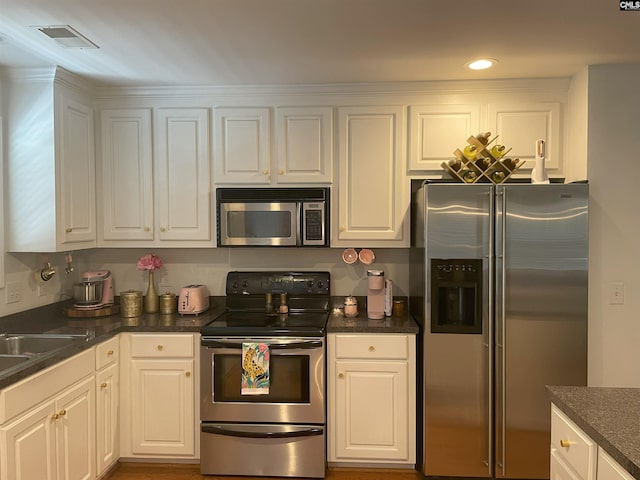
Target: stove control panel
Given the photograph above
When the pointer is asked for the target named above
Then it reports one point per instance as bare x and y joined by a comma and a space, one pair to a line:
291, 283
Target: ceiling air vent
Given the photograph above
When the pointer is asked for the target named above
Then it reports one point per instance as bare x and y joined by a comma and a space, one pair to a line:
67, 36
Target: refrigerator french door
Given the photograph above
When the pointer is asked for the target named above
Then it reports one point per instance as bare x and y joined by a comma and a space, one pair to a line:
505, 314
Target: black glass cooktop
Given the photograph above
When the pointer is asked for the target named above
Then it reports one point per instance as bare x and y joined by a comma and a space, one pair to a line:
304, 324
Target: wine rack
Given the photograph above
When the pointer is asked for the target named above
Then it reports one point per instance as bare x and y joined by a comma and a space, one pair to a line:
481, 163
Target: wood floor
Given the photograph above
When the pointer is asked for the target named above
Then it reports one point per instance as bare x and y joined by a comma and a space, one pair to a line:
154, 471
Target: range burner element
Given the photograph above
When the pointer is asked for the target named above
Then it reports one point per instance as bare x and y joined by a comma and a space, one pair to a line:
305, 293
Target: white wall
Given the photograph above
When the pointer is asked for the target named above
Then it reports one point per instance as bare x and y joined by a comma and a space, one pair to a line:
613, 163
210, 267
188, 266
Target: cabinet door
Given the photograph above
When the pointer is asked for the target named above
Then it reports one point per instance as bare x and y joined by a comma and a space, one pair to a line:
609, 469
435, 131
126, 175
182, 176
520, 125
75, 173
162, 407
75, 432
305, 145
107, 405
373, 189
559, 470
28, 447
371, 411
242, 150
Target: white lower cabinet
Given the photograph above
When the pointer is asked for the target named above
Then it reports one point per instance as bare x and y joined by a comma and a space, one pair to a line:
575, 456
609, 469
371, 398
107, 404
159, 395
48, 423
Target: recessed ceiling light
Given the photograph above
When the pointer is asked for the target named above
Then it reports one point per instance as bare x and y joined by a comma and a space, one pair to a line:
482, 63
66, 36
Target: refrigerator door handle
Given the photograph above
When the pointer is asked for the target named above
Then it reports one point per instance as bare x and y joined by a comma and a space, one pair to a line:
501, 381
490, 328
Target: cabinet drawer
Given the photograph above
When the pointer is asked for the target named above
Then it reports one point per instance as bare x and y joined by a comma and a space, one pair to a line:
107, 352
573, 445
27, 393
372, 346
162, 345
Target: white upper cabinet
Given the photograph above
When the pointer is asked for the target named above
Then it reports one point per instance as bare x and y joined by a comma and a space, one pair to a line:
435, 131
50, 173
519, 125
126, 198
156, 180
242, 145
371, 205
304, 145
182, 174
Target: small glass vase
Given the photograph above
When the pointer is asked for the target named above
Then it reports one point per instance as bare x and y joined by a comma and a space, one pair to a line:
151, 299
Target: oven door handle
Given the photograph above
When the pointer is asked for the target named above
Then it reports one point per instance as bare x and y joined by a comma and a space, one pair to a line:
306, 344
219, 430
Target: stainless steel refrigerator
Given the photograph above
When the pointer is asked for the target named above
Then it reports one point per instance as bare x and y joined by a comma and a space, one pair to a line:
498, 279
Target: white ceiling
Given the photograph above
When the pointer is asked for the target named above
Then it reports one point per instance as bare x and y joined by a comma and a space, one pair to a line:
255, 42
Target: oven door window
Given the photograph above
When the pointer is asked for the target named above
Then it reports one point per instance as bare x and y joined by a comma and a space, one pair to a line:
289, 380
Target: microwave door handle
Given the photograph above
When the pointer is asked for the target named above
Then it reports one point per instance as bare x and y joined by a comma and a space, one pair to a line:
220, 430
307, 344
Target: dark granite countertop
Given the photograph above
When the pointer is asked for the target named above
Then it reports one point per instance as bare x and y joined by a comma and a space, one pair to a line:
338, 323
610, 416
51, 319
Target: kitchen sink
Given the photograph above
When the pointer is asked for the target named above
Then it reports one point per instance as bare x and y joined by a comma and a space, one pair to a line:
30, 345
10, 361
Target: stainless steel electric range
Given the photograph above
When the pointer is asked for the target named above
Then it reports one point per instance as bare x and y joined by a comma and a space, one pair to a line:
262, 395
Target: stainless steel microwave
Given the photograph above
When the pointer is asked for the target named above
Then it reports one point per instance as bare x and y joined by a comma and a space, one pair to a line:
273, 217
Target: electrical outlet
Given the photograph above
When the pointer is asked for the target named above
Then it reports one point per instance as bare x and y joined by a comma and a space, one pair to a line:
616, 293
42, 289
14, 292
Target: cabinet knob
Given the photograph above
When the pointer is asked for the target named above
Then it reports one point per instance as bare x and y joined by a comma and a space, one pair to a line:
341, 375
162, 229
62, 413
342, 229
265, 172
103, 385
280, 172
55, 416
565, 443
69, 230
160, 347
109, 353
146, 229
372, 348
188, 374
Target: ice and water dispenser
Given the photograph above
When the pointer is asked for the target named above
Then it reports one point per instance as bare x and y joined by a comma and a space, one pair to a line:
456, 296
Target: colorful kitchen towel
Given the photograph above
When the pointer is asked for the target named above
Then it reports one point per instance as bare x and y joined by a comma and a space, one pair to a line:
255, 369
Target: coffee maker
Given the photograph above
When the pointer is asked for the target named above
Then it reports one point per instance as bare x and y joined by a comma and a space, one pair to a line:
375, 294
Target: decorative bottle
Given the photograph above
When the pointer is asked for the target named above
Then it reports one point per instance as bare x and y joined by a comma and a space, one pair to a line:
151, 299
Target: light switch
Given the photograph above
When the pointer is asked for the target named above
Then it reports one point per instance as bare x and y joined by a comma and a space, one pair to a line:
616, 293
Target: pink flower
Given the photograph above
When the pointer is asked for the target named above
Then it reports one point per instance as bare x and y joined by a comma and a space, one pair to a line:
149, 262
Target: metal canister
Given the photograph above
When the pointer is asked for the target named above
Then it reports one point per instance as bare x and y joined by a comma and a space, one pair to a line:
168, 303
131, 303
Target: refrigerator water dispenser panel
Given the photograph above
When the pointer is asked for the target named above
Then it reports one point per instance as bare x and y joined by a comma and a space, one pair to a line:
456, 296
